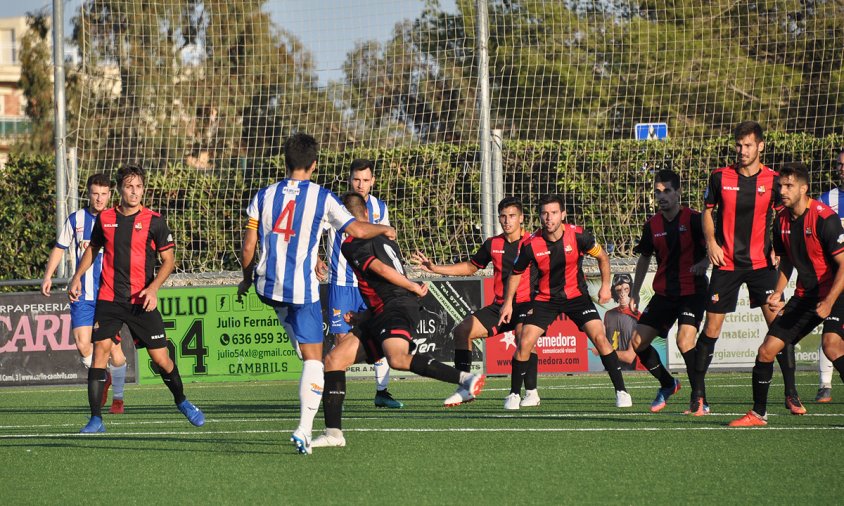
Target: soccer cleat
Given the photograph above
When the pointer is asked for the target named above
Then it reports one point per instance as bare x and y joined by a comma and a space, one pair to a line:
383, 399
751, 419
697, 407
531, 399
461, 396
512, 401
105, 388
302, 442
793, 404
334, 439
623, 399
95, 425
116, 407
475, 384
192, 413
662, 396
824, 394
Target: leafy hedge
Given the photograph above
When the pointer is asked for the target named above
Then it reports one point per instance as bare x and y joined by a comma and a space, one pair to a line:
433, 193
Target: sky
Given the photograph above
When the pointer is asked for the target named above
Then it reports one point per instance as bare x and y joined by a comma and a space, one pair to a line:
329, 28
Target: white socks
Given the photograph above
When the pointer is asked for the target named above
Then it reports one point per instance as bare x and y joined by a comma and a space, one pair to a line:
382, 374
824, 368
87, 361
310, 394
118, 379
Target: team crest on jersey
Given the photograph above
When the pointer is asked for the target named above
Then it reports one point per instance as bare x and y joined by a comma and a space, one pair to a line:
820, 208
568, 248
808, 231
96, 325
683, 228
761, 190
715, 297
138, 226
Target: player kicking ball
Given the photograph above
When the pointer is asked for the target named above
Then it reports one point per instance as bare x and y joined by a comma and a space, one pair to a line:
393, 302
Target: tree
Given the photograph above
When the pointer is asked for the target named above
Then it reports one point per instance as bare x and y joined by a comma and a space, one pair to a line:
37, 85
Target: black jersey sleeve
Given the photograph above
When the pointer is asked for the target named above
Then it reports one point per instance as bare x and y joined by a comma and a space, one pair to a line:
359, 253
646, 244
161, 235
776, 242
524, 259
831, 234
97, 235
483, 256
585, 241
712, 197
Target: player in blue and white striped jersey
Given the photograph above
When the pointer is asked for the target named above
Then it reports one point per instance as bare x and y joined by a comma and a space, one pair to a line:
76, 234
834, 198
286, 220
343, 293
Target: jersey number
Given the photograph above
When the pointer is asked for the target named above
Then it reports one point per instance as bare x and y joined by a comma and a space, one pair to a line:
284, 224
395, 258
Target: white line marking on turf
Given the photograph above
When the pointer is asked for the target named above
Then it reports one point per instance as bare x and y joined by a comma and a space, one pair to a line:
396, 429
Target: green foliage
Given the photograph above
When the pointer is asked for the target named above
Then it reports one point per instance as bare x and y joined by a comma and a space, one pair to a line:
37, 85
27, 222
432, 191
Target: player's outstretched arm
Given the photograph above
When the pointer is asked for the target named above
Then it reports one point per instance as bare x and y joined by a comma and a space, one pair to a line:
363, 230
52, 265
459, 269
396, 278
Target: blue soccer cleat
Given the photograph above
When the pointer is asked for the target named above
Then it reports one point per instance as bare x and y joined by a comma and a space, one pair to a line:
95, 425
192, 413
662, 396
302, 442
383, 399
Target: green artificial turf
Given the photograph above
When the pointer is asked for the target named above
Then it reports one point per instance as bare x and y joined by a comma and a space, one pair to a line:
574, 448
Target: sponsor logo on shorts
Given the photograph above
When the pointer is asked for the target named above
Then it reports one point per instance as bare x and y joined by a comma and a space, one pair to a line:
715, 297
156, 337
686, 313
833, 318
96, 325
768, 292
588, 311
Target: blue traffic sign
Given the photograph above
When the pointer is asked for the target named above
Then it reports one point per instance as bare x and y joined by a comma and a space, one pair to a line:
651, 131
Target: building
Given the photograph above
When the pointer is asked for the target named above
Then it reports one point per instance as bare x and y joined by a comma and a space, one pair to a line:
13, 120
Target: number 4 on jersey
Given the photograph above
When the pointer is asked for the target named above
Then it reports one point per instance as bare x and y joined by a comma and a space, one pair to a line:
284, 224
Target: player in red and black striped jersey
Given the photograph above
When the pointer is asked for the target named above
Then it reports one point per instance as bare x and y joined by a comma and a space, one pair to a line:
131, 237
674, 236
501, 250
739, 246
393, 307
809, 238
556, 252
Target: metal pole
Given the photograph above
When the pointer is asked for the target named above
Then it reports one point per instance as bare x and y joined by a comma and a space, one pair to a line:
59, 127
497, 173
72, 181
487, 208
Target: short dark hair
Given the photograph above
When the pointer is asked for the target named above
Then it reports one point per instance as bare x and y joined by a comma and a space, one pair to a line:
300, 151
510, 202
746, 128
668, 176
128, 171
361, 164
355, 203
98, 180
797, 170
550, 199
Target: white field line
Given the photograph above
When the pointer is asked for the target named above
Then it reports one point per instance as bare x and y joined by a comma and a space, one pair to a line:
405, 430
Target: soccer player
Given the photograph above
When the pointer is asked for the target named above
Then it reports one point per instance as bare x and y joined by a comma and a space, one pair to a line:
393, 302
675, 236
556, 252
620, 321
286, 219
833, 199
502, 251
343, 293
739, 248
809, 239
76, 233
130, 236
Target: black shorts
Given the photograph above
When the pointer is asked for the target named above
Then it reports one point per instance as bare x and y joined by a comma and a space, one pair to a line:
147, 327
398, 320
580, 310
798, 319
489, 316
724, 288
662, 312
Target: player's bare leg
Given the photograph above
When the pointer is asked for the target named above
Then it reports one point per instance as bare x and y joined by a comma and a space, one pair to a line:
643, 336
763, 371
171, 377
467, 330
833, 348
397, 351
82, 336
